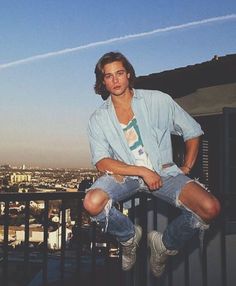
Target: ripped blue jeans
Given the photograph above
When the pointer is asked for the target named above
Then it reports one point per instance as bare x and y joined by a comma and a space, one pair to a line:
119, 188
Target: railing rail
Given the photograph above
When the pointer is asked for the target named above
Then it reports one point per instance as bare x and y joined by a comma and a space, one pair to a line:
180, 271
6, 198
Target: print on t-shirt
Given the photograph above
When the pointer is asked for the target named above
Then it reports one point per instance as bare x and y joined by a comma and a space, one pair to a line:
133, 137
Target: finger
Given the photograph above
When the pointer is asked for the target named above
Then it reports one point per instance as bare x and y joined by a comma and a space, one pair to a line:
153, 187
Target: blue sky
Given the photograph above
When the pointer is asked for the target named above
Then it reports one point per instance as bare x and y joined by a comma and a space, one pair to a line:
45, 102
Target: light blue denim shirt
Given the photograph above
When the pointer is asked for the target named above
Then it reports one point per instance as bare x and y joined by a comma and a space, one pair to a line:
158, 116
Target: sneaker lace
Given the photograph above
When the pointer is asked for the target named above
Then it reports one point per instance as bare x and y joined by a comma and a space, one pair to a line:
130, 249
162, 257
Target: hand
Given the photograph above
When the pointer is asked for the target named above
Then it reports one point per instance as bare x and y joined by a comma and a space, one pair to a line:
152, 179
186, 170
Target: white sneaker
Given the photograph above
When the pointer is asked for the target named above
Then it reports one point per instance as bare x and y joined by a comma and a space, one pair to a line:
159, 254
129, 249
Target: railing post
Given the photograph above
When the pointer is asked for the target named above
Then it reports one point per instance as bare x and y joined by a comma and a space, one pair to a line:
5, 243
142, 274
79, 237
63, 239
45, 243
26, 244
93, 261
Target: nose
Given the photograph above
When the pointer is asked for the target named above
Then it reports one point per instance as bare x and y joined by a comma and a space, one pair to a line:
115, 78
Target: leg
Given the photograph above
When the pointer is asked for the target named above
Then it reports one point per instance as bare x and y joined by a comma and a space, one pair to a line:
195, 198
198, 208
99, 201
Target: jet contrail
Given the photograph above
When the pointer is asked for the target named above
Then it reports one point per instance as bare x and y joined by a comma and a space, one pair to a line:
117, 39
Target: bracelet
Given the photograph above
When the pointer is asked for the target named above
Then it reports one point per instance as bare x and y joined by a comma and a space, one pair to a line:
187, 167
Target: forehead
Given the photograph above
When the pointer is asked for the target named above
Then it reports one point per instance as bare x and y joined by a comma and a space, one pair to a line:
113, 67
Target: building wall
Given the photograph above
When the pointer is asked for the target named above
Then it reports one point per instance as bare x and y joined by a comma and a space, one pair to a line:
210, 100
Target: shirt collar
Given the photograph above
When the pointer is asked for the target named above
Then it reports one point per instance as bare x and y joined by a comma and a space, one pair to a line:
137, 95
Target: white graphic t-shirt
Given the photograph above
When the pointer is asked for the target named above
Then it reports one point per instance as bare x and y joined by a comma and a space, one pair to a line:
135, 143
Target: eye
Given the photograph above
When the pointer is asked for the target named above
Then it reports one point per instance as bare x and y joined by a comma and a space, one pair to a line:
107, 76
121, 73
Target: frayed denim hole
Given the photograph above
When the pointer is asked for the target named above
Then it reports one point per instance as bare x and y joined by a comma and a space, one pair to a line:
102, 218
178, 203
196, 180
196, 222
118, 178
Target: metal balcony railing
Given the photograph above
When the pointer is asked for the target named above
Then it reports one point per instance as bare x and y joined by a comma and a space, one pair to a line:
43, 254
94, 265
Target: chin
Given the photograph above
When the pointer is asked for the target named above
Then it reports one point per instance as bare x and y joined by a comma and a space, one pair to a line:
118, 92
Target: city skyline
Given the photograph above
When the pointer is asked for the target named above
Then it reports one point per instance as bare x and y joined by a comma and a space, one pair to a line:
25, 168
49, 51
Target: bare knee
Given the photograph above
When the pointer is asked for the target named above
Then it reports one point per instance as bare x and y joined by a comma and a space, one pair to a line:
95, 201
211, 209
204, 204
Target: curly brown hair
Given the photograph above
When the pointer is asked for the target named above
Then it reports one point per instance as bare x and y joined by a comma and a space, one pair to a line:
108, 58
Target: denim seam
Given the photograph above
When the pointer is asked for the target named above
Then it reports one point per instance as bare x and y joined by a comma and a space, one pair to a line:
200, 223
104, 214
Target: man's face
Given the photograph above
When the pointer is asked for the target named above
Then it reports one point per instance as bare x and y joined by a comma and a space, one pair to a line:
116, 78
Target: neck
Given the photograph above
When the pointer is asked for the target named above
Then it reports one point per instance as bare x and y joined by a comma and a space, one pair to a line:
122, 100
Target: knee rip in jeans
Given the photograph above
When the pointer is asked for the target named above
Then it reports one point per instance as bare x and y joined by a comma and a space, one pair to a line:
198, 222
196, 180
118, 178
106, 211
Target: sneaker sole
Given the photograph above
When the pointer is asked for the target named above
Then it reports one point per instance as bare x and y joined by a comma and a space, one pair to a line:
151, 237
138, 232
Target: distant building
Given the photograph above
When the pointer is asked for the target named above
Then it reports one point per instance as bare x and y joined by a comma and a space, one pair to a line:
37, 204
37, 236
2, 207
5, 167
18, 178
17, 206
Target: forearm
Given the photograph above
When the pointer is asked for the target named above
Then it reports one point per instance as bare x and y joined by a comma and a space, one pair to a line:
151, 178
191, 152
119, 168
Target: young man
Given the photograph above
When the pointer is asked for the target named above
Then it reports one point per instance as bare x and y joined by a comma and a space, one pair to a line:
131, 144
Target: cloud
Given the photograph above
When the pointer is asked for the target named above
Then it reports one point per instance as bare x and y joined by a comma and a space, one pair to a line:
117, 39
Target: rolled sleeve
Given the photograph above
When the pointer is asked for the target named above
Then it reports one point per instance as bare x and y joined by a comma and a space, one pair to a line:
184, 124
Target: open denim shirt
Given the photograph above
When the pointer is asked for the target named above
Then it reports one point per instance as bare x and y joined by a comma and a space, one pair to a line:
158, 116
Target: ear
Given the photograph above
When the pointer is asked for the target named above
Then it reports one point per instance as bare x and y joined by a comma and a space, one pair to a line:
128, 75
